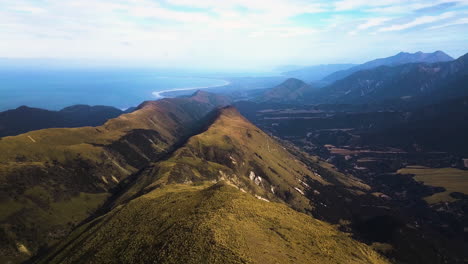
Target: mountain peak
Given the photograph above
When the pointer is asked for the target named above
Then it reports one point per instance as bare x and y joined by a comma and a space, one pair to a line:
293, 81
290, 89
207, 97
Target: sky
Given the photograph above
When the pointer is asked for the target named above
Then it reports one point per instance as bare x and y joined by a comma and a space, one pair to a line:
237, 34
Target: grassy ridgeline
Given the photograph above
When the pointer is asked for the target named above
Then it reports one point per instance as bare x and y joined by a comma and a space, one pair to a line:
208, 223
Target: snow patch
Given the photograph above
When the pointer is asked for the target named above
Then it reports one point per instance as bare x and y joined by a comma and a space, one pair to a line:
104, 180
252, 175
261, 198
255, 178
304, 183
115, 179
299, 190
233, 160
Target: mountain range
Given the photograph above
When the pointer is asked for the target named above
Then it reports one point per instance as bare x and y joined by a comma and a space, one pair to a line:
310, 175
422, 83
402, 82
205, 183
223, 197
398, 59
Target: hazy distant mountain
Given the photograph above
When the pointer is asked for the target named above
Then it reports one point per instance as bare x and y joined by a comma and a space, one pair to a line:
24, 119
290, 90
316, 72
413, 81
398, 59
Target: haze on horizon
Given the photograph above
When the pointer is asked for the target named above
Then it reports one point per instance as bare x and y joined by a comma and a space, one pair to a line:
230, 34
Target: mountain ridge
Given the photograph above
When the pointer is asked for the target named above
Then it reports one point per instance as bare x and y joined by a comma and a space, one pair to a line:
316, 72
46, 172
398, 59
220, 198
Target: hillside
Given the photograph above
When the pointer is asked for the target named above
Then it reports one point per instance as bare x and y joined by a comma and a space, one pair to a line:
220, 198
208, 223
290, 90
24, 119
398, 59
53, 179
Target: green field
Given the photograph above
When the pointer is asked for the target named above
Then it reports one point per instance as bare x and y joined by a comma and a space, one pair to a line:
453, 180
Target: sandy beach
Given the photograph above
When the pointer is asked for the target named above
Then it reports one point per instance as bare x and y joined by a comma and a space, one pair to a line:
159, 95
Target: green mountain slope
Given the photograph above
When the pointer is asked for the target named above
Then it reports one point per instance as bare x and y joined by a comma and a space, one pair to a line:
208, 223
53, 179
223, 197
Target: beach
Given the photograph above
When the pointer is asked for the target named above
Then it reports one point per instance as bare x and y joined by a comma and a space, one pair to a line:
158, 94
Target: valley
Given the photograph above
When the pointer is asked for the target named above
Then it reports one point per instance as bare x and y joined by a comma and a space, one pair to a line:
407, 202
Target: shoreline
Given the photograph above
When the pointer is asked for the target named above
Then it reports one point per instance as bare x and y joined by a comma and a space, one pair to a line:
158, 95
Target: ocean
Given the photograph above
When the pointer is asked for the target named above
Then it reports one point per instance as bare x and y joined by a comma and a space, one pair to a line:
121, 88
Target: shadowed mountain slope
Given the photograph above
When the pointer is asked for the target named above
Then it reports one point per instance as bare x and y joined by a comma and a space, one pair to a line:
289, 91
52, 179
24, 119
220, 198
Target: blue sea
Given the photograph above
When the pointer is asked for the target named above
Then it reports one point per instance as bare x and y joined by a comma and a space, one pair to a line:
121, 88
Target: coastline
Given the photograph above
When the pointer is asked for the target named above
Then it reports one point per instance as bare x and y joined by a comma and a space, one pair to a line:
158, 94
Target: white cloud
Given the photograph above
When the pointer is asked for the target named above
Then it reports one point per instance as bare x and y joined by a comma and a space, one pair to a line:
460, 21
417, 22
373, 22
192, 32
345, 5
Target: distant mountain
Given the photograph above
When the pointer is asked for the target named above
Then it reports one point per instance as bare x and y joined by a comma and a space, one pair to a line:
409, 82
316, 72
24, 119
398, 59
290, 90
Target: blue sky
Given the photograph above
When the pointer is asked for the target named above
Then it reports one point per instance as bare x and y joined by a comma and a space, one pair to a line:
241, 34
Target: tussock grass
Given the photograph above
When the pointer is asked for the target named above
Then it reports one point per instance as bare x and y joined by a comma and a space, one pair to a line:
208, 223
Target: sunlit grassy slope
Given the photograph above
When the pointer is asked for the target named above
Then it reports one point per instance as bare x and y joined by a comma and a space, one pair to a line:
226, 196
208, 223
453, 180
53, 179
234, 150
